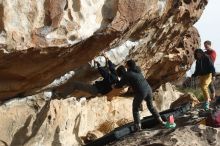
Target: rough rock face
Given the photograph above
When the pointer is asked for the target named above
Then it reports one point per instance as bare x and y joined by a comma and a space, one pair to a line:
41, 40
34, 121
186, 98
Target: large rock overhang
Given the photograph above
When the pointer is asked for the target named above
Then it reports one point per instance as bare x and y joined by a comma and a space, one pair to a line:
63, 37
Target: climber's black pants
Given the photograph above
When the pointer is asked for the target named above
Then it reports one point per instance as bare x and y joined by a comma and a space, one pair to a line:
136, 104
212, 87
81, 86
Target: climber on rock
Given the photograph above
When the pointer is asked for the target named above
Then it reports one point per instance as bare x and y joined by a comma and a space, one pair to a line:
212, 54
205, 70
142, 91
100, 87
109, 77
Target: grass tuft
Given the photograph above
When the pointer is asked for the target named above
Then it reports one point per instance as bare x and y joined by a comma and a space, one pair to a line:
196, 91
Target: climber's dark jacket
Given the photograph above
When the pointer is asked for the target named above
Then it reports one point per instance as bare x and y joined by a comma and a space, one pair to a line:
136, 81
204, 66
135, 69
109, 78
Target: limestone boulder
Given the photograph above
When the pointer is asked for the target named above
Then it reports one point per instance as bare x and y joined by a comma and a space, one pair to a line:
37, 120
42, 40
184, 99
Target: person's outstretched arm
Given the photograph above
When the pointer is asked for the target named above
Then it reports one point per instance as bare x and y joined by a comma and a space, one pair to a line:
102, 70
111, 67
106, 60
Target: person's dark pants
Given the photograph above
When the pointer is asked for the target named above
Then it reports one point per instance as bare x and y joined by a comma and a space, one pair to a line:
76, 85
136, 104
212, 88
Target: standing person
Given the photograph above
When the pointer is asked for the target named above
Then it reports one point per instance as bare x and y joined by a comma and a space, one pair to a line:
205, 70
142, 91
212, 54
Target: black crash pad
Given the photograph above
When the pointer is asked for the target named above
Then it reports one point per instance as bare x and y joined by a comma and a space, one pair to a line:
147, 122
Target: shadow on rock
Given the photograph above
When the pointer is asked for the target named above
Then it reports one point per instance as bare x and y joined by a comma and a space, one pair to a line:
20, 137
56, 141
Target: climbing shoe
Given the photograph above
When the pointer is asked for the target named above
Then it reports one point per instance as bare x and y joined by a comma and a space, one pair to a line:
137, 127
206, 106
170, 125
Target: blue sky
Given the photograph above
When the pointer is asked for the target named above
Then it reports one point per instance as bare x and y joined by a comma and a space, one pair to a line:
209, 27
